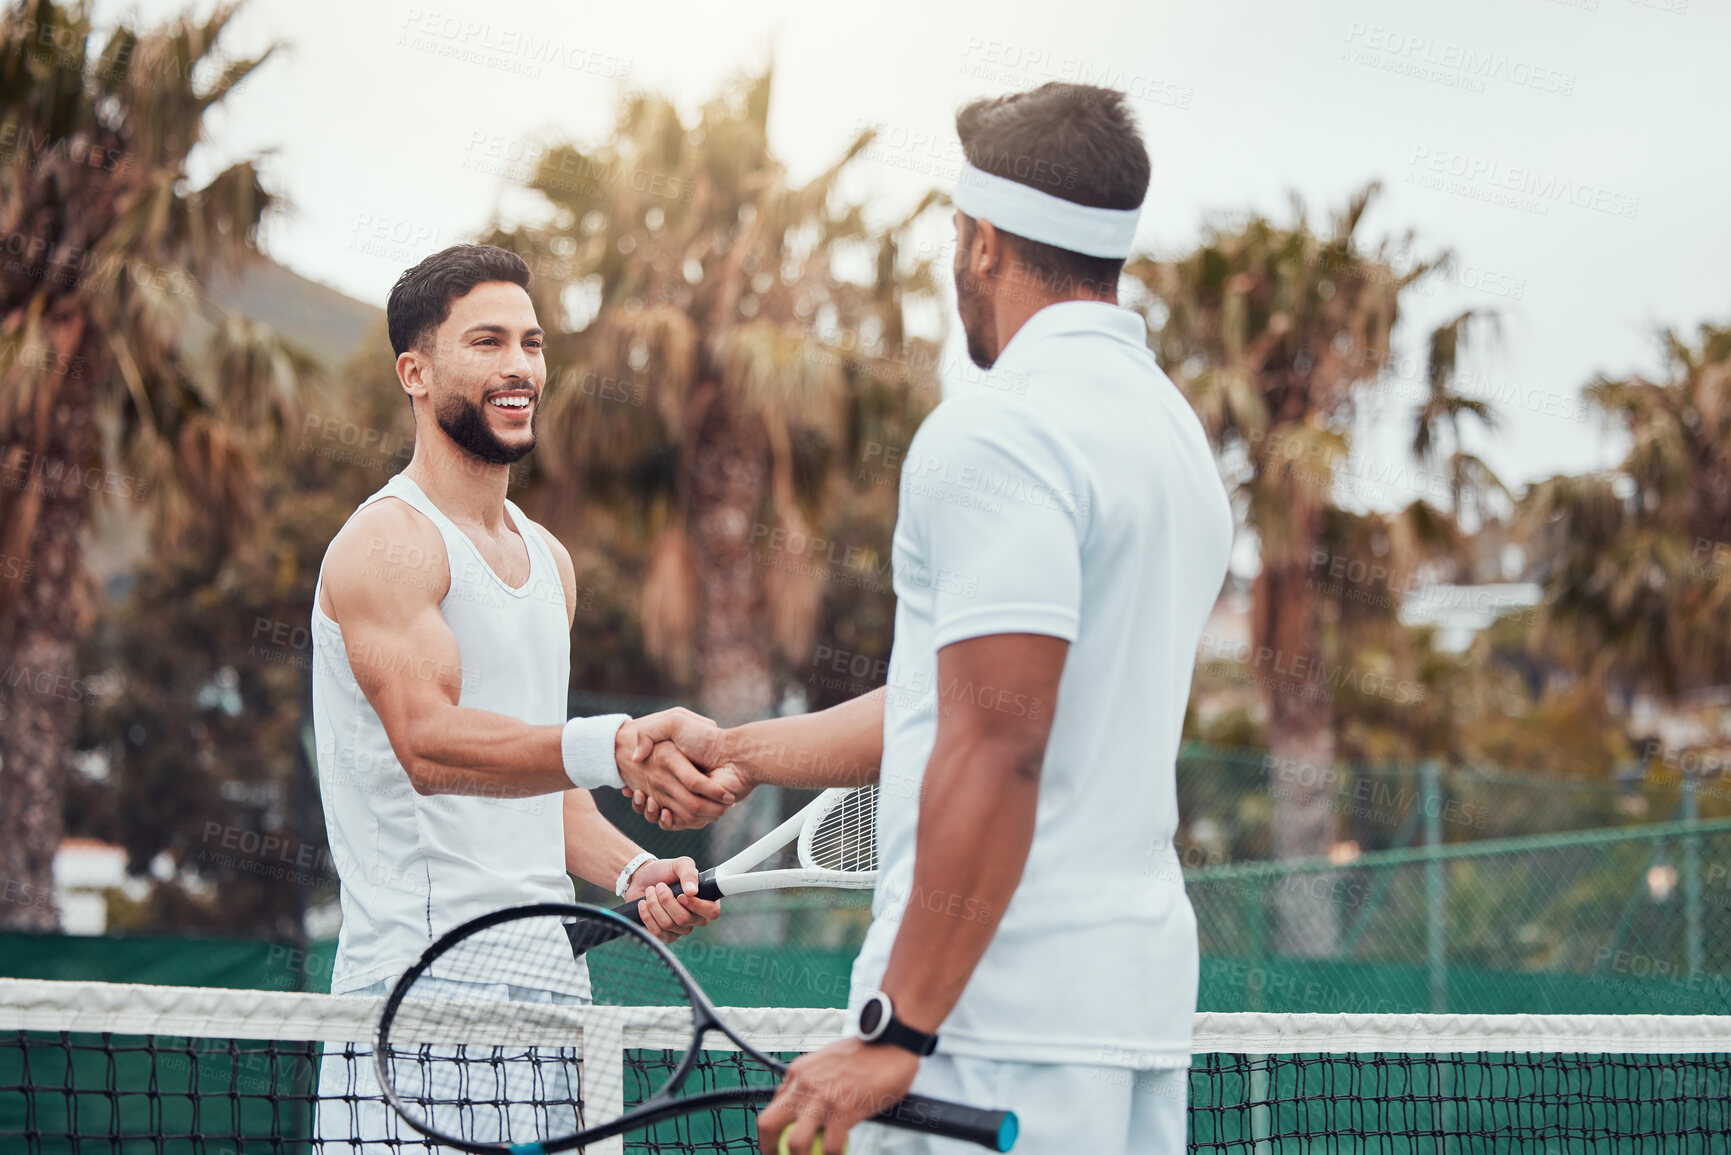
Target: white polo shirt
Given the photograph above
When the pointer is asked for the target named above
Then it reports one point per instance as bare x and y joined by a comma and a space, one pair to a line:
1074, 496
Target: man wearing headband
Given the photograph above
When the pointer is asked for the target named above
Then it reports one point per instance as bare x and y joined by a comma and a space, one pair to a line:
1062, 536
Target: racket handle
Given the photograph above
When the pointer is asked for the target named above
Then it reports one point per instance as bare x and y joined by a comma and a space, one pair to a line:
993, 1130
706, 890
585, 936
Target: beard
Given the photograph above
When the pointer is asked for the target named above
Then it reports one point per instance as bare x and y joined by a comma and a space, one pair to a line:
465, 424
979, 323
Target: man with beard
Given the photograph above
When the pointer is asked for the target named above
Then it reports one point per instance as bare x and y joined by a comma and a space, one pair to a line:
452, 782
1061, 537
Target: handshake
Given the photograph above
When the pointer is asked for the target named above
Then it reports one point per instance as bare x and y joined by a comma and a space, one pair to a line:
680, 769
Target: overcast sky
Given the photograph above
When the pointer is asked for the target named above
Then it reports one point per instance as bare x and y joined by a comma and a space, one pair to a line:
1565, 151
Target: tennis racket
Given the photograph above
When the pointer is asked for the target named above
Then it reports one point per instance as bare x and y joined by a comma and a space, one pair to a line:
501, 1037
836, 840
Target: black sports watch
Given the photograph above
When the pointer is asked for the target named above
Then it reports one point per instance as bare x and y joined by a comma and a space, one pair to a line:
878, 1024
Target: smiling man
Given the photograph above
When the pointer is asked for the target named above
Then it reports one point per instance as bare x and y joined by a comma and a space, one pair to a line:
452, 782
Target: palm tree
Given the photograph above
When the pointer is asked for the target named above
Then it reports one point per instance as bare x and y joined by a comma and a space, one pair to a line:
98, 396
1636, 559
733, 383
1274, 332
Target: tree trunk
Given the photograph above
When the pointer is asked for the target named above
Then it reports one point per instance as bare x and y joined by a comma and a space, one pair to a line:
731, 544
1288, 661
731, 547
39, 689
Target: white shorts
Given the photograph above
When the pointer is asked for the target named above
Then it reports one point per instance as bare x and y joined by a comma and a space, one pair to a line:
1063, 1109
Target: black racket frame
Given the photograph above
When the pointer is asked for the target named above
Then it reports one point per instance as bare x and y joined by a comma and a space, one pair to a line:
995, 1130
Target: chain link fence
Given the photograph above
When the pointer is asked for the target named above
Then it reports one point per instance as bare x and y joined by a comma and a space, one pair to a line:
1598, 922
1227, 797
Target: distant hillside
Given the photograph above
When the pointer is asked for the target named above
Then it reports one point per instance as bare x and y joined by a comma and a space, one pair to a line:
315, 318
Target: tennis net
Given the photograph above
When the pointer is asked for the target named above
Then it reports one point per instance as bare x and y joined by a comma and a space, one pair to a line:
108, 1067
114, 1067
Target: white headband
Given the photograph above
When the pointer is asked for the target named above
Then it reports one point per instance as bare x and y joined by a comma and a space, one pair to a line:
1039, 216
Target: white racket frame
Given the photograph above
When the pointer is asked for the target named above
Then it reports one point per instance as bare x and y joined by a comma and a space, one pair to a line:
735, 876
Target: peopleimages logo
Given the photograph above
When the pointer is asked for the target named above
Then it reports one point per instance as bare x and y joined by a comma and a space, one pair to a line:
1458, 65
1306, 676
934, 474
1542, 187
516, 50
1021, 67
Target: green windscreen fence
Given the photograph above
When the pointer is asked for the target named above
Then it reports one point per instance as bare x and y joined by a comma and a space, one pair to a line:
168, 960
1631, 920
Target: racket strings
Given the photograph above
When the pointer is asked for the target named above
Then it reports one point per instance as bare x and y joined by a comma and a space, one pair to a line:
845, 838
517, 1033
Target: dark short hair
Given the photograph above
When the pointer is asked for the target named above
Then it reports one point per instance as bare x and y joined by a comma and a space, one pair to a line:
1074, 141
421, 299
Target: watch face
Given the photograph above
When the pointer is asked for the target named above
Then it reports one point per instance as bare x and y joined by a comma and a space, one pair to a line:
871, 1017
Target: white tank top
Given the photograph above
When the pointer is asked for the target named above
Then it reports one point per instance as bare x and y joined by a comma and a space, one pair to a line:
412, 866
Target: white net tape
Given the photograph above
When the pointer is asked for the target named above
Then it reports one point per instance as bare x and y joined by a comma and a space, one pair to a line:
201, 1012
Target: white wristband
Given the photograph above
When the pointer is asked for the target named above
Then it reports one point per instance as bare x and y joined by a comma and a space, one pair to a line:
586, 749
624, 883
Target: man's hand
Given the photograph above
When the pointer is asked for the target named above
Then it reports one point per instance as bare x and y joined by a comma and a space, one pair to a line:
837, 747
697, 737
682, 770
726, 775
833, 1089
666, 915
654, 755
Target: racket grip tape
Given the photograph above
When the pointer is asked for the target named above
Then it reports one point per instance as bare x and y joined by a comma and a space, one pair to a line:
706, 890
994, 1130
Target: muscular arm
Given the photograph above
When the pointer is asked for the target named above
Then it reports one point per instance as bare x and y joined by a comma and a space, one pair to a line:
382, 584
595, 849
840, 746
976, 827
383, 580
982, 789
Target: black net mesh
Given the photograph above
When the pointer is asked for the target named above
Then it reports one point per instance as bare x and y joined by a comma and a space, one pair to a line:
1393, 1104
80, 1092
77, 1091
